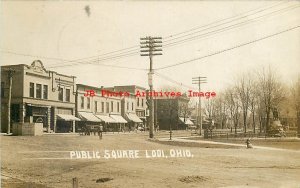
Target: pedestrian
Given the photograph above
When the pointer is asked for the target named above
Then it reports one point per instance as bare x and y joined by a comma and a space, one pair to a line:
100, 130
249, 145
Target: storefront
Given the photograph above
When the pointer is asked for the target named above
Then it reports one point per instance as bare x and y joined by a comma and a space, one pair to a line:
119, 124
133, 121
107, 122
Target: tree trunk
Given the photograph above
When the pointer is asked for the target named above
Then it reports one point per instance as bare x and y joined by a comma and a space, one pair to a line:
253, 119
267, 128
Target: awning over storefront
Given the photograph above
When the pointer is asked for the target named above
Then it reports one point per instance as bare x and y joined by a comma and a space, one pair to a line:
187, 121
38, 105
118, 119
133, 117
67, 117
88, 116
106, 118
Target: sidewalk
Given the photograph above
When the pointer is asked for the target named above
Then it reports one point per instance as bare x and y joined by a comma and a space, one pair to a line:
187, 140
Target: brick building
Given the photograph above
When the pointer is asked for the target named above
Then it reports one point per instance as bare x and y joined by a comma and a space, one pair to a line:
99, 110
172, 112
134, 109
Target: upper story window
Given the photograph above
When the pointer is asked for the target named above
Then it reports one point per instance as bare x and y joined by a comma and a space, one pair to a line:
112, 106
138, 101
45, 92
39, 91
118, 106
132, 105
107, 107
142, 102
82, 102
88, 103
96, 106
68, 92
102, 106
31, 89
2, 89
60, 94
127, 105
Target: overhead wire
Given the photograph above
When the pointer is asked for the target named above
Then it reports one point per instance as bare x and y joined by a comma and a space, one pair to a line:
133, 52
173, 81
136, 49
228, 49
205, 34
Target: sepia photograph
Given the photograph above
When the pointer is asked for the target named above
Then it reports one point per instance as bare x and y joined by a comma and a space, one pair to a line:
142, 94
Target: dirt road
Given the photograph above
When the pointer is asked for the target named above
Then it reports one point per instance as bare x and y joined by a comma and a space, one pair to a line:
45, 161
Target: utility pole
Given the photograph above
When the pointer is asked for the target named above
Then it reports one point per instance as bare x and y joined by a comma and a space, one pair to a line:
199, 80
10, 76
149, 47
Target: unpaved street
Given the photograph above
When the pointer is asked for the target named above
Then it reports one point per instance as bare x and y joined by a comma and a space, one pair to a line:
44, 161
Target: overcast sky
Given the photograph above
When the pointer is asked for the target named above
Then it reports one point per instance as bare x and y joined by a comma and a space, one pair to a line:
74, 30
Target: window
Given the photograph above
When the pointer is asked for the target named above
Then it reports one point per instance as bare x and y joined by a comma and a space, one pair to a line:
60, 94
112, 106
118, 106
138, 101
68, 95
2, 89
45, 92
102, 106
88, 103
39, 91
31, 90
142, 102
132, 106
82, 102
107, 107
127, 105
96, 107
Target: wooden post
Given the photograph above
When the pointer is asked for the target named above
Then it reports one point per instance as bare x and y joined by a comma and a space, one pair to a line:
75, 182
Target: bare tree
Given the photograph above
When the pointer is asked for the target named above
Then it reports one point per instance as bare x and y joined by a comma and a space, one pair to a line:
271, 92
233, 106
209, 105
295, 90
243, 89
253, 100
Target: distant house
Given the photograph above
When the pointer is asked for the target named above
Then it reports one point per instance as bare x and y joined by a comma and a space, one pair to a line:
38, 95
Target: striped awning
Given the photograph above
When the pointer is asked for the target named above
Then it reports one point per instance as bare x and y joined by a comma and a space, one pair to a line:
88, 116
106, 118
133, 117
118, 119
67, 117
